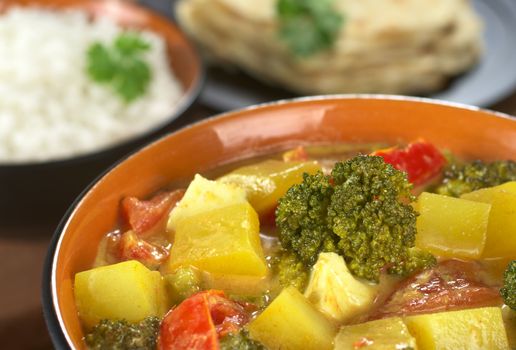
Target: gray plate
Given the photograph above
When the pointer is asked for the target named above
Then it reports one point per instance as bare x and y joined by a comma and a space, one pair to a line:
490, 81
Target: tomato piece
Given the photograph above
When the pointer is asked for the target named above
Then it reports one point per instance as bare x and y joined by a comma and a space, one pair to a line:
199, 321
134, 248
420, 160
451, 285
228, 316
189, 326
146, 217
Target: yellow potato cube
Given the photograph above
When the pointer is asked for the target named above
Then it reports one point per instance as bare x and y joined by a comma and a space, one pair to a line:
335, 292
451, 227
268, 181
481, 329
385, 334
204, 195
127, 290
222, 241
290, 322
501, 230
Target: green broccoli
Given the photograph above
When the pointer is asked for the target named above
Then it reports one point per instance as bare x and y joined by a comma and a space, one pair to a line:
361, 211
121, 335
239, 341
508, 291
460, 179
291, 271
182, 283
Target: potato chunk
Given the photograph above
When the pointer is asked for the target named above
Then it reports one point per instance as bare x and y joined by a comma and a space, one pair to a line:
269, 180
222, 241
204, 195
127, 290
335, 292
291, 322
481, 328
501, 237
385, 334
451, 227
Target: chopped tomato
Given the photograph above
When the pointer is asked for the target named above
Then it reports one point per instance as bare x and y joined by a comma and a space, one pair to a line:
451, 285
148, 217
189, 326
296, 154
134, 248
199, 321
420, 160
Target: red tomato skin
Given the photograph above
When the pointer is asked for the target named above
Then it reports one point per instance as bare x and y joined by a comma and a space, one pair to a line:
421, 160
189, 326
200, 321
228, 316
147, 217
452, 285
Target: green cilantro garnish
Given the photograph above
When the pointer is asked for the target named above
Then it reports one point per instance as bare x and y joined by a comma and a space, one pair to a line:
121, 65
308, 26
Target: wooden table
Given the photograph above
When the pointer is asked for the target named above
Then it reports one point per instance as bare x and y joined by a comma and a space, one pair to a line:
22, 251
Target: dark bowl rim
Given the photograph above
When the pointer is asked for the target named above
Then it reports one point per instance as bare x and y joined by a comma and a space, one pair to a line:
187, 99
48, 294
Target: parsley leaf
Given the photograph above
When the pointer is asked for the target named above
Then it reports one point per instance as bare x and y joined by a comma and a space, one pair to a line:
308, 26
121, 65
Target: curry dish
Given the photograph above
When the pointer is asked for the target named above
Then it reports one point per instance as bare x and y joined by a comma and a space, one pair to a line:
319, 247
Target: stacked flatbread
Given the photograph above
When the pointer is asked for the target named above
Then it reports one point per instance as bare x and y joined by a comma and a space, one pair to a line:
384, 46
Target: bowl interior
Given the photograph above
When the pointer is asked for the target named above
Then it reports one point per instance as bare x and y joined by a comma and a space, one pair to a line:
74, 173
465, 131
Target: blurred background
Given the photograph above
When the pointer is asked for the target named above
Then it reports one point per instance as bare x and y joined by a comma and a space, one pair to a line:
119, 90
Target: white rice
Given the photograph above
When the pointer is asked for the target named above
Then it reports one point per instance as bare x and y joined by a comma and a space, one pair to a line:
49, 107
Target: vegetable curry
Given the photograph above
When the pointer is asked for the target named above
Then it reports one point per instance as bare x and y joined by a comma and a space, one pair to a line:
320, 247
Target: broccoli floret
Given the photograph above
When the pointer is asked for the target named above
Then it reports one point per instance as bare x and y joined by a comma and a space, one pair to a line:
361, 211
121, 335
508, 291
182, 283
239, 341
460, 179
301, 218
291, 271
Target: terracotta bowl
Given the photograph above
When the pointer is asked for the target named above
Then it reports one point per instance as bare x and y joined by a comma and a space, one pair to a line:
466, 131
21, 180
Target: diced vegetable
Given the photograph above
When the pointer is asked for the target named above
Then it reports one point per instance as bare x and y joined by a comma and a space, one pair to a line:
509, 319
386, 334
148, 217
199, 321
182, 283
451, 285
127, 290
465, 329
501, 237
268, 181
420, 160
291, 322
335, 292
204, 195
224, 241
451, 227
